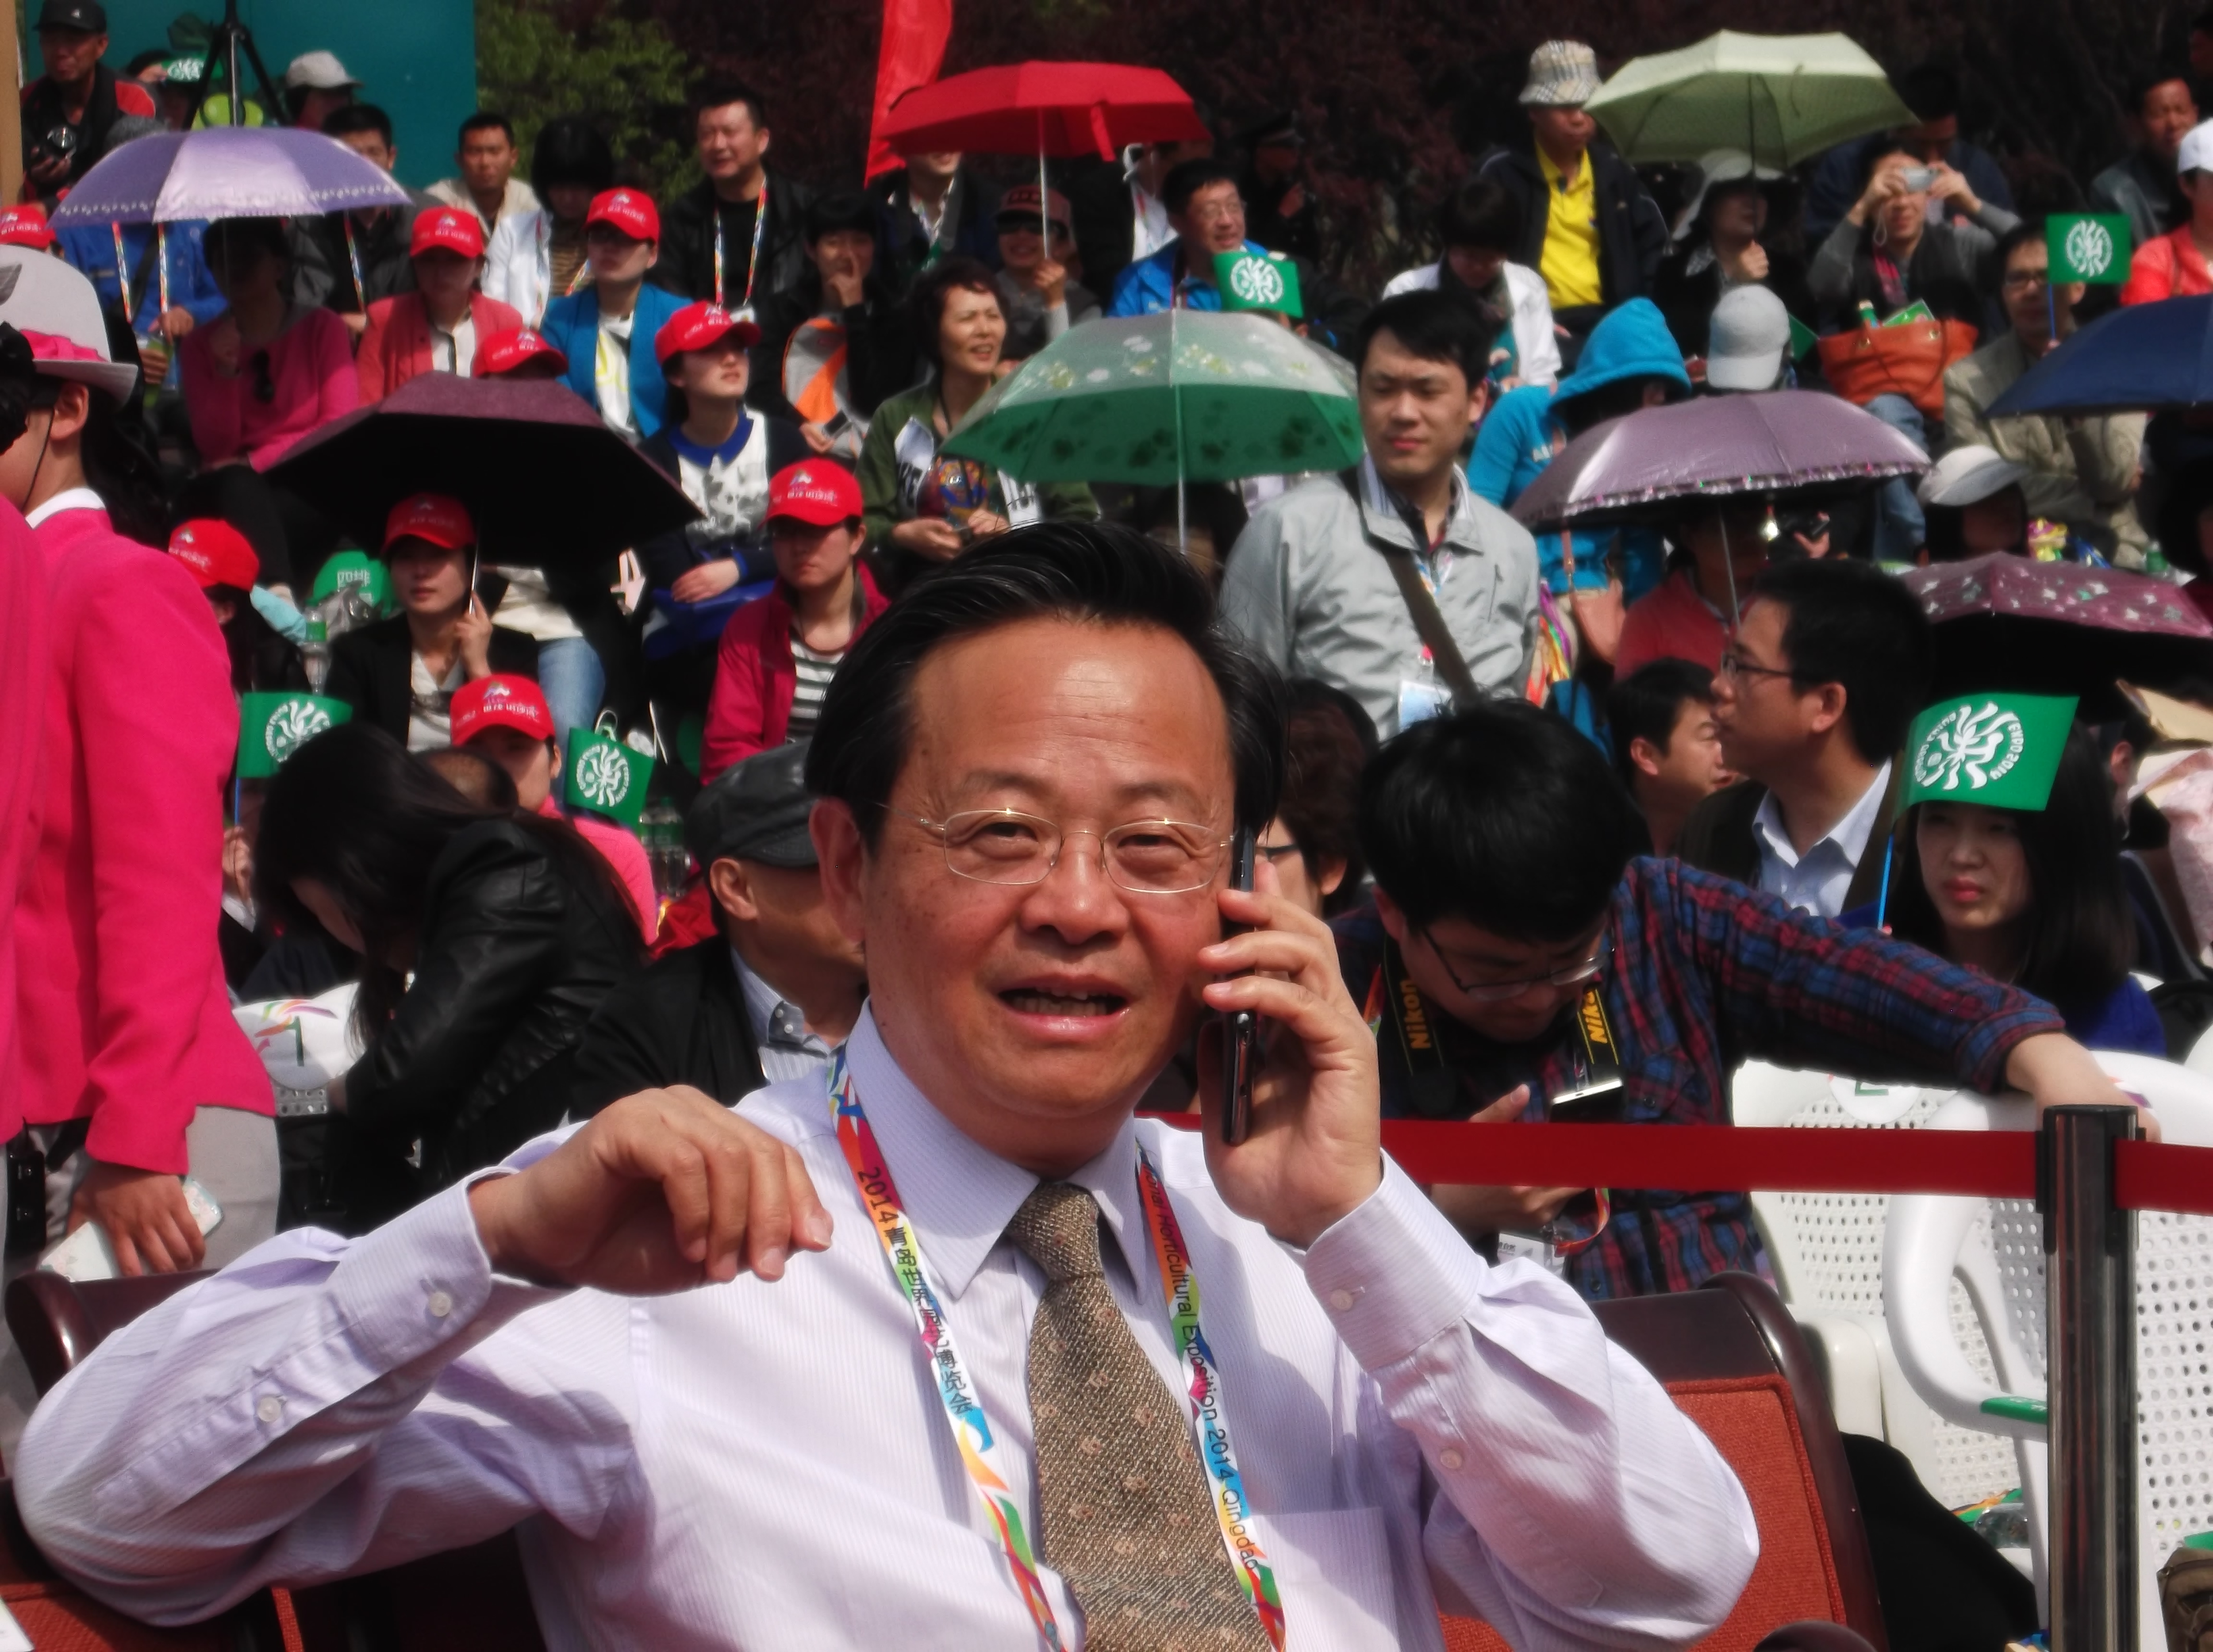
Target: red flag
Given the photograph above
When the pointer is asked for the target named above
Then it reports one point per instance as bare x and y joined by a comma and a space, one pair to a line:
915, 33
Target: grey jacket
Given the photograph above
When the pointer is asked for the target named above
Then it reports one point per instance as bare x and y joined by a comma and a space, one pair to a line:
1307, 586
2133, 185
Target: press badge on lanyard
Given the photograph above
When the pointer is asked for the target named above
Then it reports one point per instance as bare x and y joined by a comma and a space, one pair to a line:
1423, 697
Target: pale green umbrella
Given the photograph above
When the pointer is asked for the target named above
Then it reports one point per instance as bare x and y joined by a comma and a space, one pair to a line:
1778, 98
1157, 400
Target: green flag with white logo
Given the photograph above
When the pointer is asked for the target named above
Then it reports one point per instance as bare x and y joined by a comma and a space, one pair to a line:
2092, 247
271, 727
1258, 281
2001, 751
605, 776
355, 568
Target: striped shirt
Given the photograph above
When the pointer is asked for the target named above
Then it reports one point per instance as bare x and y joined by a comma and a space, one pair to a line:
814, 673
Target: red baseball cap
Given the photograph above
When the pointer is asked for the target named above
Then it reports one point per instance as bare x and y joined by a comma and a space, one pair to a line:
215, 553
819, 491
26, 226
504, 352
433, 516
630, 210
443, 229
499, 703
697, 326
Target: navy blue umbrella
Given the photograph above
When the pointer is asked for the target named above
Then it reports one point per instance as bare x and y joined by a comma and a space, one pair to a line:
2144, 359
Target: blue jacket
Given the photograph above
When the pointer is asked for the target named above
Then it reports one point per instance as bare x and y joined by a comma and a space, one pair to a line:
1515, 443
572, 326
1148, 287
90, 249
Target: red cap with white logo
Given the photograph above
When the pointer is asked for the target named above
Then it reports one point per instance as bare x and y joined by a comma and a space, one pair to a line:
819, 491
215, 553
500, 703
443, 230
26, 226
630, 210
697, 326
506, 352
433, 516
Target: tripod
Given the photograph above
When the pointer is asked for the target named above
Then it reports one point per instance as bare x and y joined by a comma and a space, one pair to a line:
225, 42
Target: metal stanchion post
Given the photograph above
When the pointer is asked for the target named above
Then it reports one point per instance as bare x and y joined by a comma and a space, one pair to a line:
2089, 1274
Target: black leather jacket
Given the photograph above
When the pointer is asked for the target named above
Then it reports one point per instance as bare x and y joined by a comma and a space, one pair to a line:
523, 934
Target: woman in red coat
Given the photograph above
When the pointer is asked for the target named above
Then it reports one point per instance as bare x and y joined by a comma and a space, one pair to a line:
777, 654
440, 327
124, 1025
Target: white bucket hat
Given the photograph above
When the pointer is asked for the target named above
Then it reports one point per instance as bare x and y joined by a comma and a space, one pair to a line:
56, 308
1563, 74
1719, 167
1967, 475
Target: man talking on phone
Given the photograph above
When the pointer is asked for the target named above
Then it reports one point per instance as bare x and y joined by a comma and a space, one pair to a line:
1519, 961
672, 1345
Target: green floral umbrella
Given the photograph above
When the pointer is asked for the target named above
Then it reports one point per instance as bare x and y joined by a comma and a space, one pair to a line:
1155, 400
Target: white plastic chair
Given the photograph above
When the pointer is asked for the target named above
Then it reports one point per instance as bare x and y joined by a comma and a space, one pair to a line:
1995, 1248
2200, 1058
1826, 1251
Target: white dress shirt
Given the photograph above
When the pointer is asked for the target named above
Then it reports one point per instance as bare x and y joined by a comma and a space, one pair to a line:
1816, 881
787, 1050
767, 1466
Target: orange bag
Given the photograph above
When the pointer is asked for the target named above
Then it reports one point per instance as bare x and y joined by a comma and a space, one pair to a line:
1905, 361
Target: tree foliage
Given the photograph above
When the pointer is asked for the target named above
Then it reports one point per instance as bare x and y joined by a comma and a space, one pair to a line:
540, 59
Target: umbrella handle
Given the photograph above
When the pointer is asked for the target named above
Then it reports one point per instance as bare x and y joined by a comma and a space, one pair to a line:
1099, 133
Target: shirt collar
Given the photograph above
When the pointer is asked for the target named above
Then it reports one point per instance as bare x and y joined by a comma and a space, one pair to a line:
67, 499
775, 1020
1850, 834
959, 1194
1380, 502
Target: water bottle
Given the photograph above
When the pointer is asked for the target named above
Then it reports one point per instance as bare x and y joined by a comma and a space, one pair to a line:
661, 830
315, 653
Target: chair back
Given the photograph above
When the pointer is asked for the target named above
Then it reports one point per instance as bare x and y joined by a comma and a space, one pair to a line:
1734, 1361
1994, 1249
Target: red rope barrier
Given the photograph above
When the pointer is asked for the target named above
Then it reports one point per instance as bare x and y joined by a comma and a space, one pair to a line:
1728, 1158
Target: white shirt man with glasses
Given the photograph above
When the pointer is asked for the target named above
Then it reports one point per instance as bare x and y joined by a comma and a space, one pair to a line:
908, 1352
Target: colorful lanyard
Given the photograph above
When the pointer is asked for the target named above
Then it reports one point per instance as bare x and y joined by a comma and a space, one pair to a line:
353, 262
161, 262
753, 259
122, 272
964, 1406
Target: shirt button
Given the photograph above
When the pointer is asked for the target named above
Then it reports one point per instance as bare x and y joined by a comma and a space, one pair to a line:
1341, 1299
270, 1409
1450, 1461
440, 1304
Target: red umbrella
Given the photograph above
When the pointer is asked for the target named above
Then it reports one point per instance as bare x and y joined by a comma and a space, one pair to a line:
1055, 108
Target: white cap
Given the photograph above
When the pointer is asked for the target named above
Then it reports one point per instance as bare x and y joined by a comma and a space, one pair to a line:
1747, 341
40, 295
317, 71
1967, 475
2196, 154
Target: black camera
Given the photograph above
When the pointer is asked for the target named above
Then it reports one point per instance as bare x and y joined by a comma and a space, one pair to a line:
55, 143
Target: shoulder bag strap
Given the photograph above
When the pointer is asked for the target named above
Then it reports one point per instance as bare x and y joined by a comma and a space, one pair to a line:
1421, 609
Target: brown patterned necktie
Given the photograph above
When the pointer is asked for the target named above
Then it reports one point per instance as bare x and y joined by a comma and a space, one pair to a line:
1123, 1508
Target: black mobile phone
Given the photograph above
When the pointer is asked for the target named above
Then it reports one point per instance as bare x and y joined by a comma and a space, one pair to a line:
1240, 1031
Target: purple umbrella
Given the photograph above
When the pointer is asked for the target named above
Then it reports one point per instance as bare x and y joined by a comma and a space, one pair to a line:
2103, 599
1777, 442
228, 172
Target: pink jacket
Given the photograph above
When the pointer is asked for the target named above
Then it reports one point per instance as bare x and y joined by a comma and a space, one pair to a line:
2166, 266
396, 346
124, 1018
23, 668
313, 381
626, 856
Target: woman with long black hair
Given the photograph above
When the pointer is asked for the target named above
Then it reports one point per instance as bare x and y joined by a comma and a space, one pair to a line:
488, 937
2030, 893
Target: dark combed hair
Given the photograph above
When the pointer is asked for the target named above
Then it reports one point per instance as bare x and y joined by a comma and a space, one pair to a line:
118, 464
570, 150
1645, 704
1931, 90
1852, 623
1328, 739
721, 93
358, 117
487, 120
1481, 214
1186, 178
1090, 573
1434, 326
956, 273
2082, 938
1503, 815
840, 209
2028, 232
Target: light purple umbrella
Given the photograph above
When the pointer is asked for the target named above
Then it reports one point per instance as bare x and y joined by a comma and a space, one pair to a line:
1778, 442
228, 172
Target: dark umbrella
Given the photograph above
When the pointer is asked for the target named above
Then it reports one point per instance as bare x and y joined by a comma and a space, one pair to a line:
2145, 358
548, 484
2007, 623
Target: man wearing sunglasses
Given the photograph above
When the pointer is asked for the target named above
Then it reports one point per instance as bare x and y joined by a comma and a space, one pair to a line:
1517, 963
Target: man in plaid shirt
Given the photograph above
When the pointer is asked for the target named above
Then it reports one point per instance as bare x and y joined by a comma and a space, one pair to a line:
1506, 892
